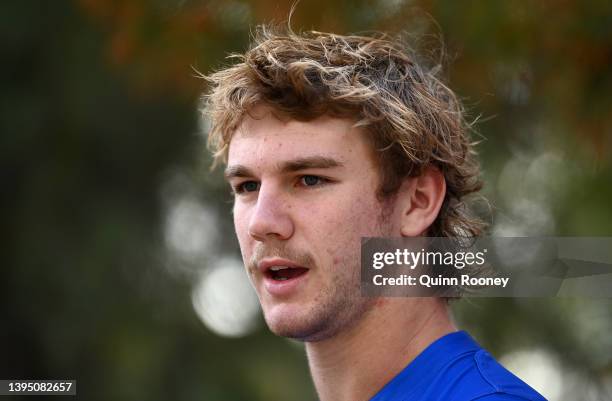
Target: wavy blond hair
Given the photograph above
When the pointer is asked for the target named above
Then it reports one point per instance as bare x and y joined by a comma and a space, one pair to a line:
413, 119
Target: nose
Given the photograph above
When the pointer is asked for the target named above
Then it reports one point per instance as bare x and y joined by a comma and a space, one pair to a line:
271, 218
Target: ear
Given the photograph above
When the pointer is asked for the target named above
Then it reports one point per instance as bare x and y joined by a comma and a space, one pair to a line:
422, 199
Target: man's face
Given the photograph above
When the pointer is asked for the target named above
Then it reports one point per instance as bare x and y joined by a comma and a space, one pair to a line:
305, 195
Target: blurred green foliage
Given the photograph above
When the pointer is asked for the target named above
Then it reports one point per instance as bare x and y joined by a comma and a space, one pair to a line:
99, 113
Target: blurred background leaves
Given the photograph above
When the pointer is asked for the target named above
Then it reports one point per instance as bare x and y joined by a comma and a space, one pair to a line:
120, 265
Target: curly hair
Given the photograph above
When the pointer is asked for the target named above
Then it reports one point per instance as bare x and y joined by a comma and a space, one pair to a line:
412, 118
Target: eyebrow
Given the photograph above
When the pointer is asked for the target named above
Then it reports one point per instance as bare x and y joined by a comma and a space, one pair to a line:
289, 166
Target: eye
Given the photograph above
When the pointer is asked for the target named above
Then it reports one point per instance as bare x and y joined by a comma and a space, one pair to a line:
247, 186
311, 180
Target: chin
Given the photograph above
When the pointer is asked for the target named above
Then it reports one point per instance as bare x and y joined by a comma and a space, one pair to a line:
297, 324
315, 323
300, 331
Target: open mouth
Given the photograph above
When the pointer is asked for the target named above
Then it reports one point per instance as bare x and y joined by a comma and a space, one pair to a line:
283, 273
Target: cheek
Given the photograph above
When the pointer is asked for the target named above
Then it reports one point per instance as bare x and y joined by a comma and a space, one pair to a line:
343, 226
358, 219
241, 225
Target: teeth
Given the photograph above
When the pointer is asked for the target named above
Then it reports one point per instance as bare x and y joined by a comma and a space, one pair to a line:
277, 268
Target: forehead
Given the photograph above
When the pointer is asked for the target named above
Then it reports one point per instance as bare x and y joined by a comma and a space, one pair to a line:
264, 137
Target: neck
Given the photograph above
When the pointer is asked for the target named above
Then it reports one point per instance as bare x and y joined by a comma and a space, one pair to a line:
356, 363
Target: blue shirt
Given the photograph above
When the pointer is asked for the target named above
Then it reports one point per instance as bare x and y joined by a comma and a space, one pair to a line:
456, 368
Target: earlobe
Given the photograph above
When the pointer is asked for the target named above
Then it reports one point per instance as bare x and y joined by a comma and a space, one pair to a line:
423, 197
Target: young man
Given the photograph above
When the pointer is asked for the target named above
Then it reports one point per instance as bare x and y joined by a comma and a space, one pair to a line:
328, 139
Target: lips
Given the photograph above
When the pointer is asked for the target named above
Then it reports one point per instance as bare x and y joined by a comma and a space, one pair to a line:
282, 273
282, 277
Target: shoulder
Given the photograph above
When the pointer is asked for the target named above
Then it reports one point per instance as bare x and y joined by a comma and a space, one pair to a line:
500, 383
476, 376
456, 368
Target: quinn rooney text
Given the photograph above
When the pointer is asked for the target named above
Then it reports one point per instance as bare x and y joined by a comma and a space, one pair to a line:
440, 281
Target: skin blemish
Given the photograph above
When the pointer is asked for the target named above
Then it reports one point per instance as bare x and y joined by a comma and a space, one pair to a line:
380, 302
